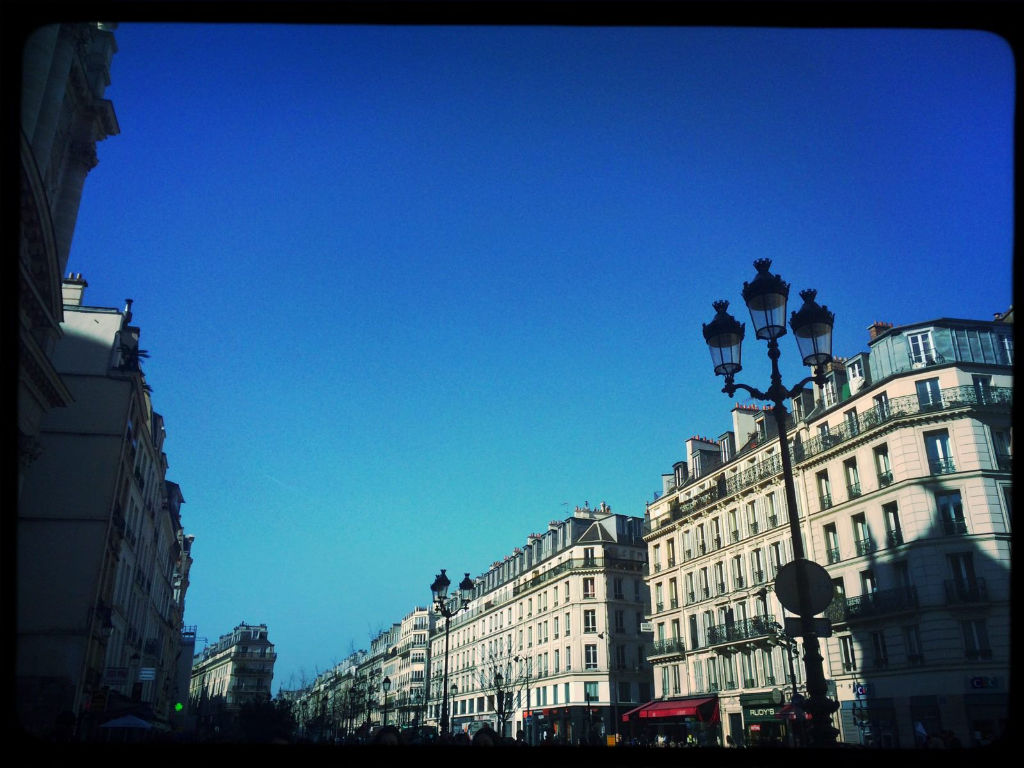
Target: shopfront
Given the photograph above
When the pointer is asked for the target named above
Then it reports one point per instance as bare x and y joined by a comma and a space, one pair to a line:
692, 721
768, 721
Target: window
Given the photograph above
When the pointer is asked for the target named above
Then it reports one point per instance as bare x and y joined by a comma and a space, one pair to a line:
929, 398
1002, 444
705, 592
659, 597
852, 478
675, 678
829, 393
589, 559
655, 556
881, 409
673, 594
775, 557
694, 633
921, 350
556, 659
936, 446
751, 517
773, 516
855, 370
964, 586
893, 532
757, 568
951, 512
881, 653
831, 543
861, 535
588, 588
556, 627
848, 652
976, 643
737, 571
824, 489
720, 578
590, 621
850, 419
568, 626
671, 551
568, 663
590, 657
982, 388
868, 584
912, 644
620, 621
882, 465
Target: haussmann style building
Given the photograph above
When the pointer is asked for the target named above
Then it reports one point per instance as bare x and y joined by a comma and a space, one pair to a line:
902, 465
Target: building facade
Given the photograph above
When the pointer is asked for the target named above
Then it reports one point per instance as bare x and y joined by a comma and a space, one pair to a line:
560, 621
902, 466
66, 69
238, 669
103, 559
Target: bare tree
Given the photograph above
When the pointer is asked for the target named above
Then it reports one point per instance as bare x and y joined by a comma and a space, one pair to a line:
501, 674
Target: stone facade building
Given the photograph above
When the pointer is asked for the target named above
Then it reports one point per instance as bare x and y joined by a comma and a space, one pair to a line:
902, 465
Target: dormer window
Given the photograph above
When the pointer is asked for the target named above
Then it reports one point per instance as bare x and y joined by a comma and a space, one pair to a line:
921, 350
855, 370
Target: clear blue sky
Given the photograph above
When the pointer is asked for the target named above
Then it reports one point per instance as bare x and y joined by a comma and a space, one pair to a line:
412, 292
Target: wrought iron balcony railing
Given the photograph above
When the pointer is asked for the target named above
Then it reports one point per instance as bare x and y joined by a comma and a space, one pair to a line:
954, 527
825, 500
832, 555
879, 603
941, 466
865, 546
747, 629
896, 408
960, 592
884, 478
853, 490
667, 646
894, 538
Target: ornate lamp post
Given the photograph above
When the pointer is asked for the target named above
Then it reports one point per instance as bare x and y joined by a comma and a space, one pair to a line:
449, 608
499, 679
386, 685
455, 692
766, 296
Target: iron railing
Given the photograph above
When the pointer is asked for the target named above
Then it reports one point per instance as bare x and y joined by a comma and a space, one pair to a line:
963, 592
747, 629
873, 604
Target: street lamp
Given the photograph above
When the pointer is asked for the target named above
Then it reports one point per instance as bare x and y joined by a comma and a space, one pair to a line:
766, 296
386, 685
612, 698
449, 608
455, 692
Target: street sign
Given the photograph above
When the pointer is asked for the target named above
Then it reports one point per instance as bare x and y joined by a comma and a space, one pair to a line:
794, 627
819, 586
646, 626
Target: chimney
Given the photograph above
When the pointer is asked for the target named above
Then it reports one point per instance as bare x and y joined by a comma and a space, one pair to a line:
72, 288
877, 328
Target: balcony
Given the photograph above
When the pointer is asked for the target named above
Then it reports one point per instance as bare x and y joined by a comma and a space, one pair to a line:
705, 593
748, 629
721, 588
879, 603
718, 542
671, 562
903, 407
735, 535
659, 607
965, 592
673, 603
702, 548
941, 466
865, 546
832, 555
773, 521
752, 525
825, 500
688, 554
739, 582
664, 647
759, 577
691, 597
853, 490
657, 567
954, 527
749, 682
884, 479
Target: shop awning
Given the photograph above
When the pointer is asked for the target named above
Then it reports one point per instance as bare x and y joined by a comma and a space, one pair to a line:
789, 712
704, 709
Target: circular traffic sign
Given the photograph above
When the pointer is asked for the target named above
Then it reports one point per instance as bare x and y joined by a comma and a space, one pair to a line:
819, 586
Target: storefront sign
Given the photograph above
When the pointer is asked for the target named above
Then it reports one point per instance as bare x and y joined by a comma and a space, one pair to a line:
983, 681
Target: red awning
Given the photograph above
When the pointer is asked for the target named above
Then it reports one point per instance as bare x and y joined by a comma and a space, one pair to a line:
789, 712
704, 709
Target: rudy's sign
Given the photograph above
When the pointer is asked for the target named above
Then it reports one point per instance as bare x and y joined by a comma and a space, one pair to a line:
759, 714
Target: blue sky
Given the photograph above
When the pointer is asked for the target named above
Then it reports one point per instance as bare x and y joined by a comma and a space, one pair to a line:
412, 292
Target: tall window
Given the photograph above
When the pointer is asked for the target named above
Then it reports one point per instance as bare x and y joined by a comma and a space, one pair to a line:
882, 465
881, 653
861, 535
673, 594
775, 557
921, 350
589, 592
659, 597
824, 489
936, 445
912, 644
849, 653
752, 525
737, 571
590, 656
982, 388
850, 421
757, 569
773, 515
951, 512
929, 398
831, 543
656, 557
671, 549
976, 643
881, 402
893, 532
852, 478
